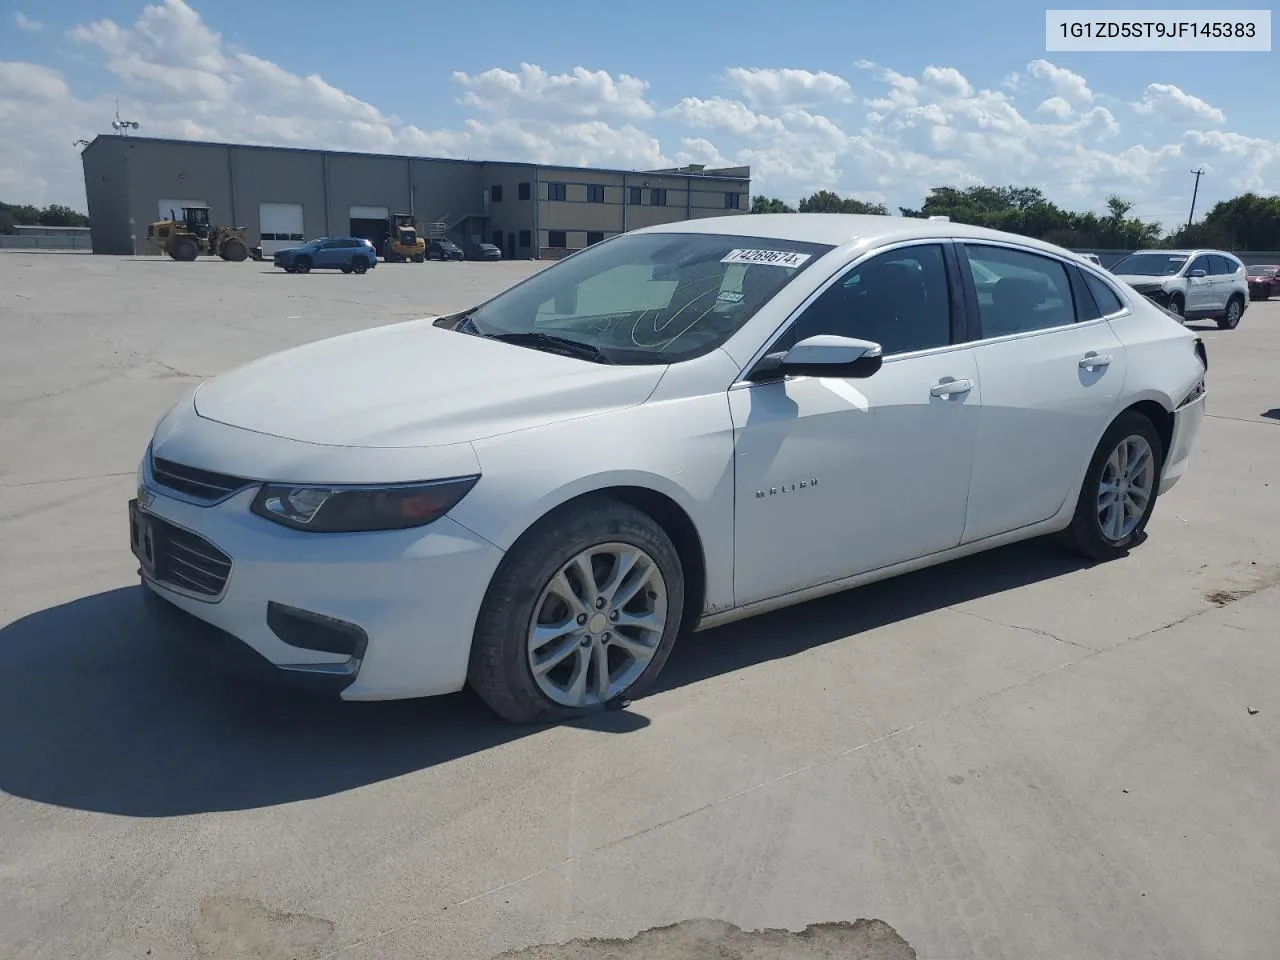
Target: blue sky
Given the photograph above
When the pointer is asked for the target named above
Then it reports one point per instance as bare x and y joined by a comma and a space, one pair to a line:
859, 112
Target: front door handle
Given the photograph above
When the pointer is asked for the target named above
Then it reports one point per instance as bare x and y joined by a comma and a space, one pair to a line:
1091, 361
950, 387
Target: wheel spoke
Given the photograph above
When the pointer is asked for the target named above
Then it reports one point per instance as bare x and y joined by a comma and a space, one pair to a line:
624, 563
562, 588
627, 592
581, 565
652, 622
600, 656
577, 686
638, 650
549, 661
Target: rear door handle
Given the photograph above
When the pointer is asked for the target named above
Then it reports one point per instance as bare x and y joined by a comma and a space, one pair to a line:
951, 387
1092, 360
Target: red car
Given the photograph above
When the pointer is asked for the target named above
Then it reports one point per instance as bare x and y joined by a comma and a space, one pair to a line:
1264, 281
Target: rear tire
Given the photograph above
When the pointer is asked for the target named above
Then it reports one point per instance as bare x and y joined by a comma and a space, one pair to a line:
1093, 532
523, 600
359, 266
303, 265
1235, 309
345, 268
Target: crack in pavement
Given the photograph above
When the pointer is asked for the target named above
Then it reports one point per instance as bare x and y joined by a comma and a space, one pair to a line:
1017, 626
829, 760
37, 483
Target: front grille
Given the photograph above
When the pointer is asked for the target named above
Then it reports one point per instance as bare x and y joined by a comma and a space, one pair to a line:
202, 485
187, 561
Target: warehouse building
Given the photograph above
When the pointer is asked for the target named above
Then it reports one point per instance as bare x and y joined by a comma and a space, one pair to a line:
286, 195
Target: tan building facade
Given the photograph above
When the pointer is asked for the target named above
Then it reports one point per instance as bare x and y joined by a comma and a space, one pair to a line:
284, 195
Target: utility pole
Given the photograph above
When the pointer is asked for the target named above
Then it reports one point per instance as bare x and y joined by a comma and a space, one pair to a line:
1199, 172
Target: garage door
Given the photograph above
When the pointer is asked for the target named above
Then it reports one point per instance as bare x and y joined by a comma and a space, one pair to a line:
280, 226
167, 207
370, 223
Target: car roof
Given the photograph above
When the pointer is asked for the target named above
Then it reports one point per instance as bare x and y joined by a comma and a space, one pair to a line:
836, 229
1188, 253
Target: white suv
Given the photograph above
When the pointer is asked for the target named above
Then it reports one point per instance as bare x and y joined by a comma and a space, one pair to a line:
1193, 284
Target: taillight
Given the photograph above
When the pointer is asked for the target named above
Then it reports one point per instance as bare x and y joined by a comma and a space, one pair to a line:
1202, 354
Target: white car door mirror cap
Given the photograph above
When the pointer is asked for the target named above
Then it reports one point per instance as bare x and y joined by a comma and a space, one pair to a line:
827, 355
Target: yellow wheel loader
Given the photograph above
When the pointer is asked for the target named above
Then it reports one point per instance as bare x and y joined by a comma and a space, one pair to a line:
187, 234
403, 243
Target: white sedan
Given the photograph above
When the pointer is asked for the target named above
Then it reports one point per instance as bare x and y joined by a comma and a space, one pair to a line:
675, 428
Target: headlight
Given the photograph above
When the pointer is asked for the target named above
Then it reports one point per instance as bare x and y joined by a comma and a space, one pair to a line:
341, 509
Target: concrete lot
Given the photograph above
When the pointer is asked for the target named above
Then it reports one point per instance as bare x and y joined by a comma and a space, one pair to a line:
1008, 757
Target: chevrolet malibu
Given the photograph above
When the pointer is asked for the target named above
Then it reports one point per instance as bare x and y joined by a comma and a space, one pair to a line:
678, 427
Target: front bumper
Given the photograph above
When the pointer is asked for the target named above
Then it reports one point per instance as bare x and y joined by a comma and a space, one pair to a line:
372, 616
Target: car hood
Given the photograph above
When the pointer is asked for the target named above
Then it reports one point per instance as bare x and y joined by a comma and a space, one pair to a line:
1137, 280
415, 385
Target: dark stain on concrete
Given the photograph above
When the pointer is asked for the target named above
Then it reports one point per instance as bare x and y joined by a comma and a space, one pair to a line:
716, 940
229, 928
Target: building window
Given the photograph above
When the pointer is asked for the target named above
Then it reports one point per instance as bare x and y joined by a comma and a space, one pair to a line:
635, 198
556, 239
595, 193
526, 238
555, 191
522, 192
658, 196
733, 201
495, 193
594, 236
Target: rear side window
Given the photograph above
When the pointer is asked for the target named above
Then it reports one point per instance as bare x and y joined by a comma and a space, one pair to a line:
1221, 266
1019, 292
1108, 303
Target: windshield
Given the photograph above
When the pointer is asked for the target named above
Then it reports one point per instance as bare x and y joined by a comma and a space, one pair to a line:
1263, 271
650, 297
1149, 265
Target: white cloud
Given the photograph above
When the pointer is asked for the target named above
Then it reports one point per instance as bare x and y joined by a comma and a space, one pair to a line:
26, 23
799, 130
582, 94
1065, 84
788, 88
1167, 102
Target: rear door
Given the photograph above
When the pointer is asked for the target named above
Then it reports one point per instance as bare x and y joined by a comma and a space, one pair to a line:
1051, 371
1223, 272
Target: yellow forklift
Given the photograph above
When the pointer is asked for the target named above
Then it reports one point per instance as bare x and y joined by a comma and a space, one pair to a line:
403, 245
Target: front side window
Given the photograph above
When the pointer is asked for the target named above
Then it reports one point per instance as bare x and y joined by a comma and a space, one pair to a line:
1149, 265
650, 298
898, 299
1199, 263
1019, 292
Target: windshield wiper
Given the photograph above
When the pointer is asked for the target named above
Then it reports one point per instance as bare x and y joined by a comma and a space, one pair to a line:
552, 344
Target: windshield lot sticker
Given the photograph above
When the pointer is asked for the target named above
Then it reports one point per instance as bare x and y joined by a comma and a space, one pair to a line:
772, 258
730, 296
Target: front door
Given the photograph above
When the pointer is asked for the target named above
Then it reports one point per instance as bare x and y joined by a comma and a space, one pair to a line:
839, 477
1200, 297
1051, 377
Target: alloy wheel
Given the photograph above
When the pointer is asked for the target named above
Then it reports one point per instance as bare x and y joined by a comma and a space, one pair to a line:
597, 625
1126, 488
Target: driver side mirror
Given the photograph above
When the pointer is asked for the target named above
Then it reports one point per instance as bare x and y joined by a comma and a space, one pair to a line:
825, 355
1196, 274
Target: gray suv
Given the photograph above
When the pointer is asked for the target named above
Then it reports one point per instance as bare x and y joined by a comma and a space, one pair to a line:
1194, 284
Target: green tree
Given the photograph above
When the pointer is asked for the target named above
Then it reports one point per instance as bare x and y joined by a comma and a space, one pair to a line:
763, 204
57, 215
824, 201
1246, 222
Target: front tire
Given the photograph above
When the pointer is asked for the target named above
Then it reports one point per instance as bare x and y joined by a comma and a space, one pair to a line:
1178, 306
1119, 490
1231, 319
303, 265
582, 612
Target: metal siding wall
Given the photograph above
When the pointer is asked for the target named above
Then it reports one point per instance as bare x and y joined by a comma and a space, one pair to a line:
158, 170
364, 181
278, 176
106, 188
